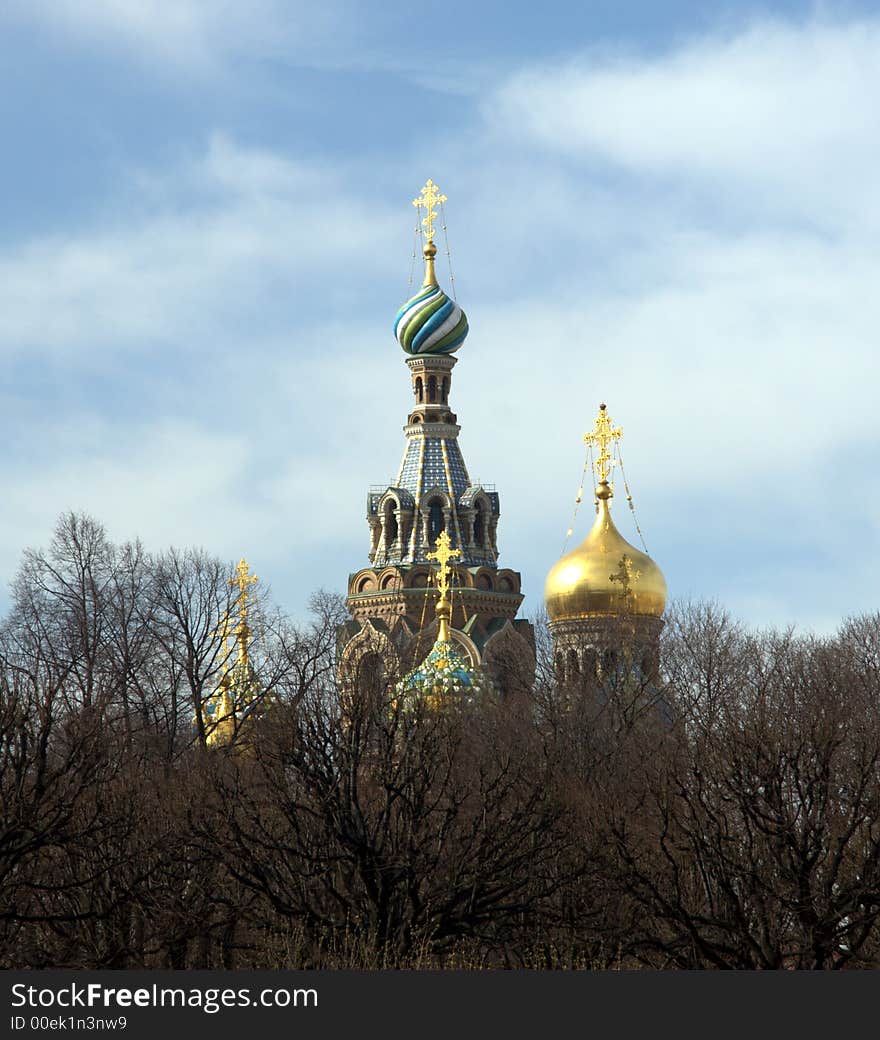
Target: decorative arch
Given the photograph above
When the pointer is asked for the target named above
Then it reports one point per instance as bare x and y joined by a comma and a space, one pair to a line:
389, 578
484, 580
482, 518
420, 646
366, 582
368, 641
390, 526
436, 510
510, 660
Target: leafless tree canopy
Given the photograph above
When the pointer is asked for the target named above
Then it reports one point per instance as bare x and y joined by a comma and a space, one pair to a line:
722, 814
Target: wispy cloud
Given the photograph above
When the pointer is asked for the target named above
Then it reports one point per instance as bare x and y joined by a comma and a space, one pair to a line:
780, 107
195, 36
717, 290
232, 228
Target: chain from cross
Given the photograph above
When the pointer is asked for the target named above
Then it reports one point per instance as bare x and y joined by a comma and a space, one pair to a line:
626, 574
443, 555
602, 437
428, 199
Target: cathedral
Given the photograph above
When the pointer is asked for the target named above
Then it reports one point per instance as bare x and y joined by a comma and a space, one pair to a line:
433, 605
460, 617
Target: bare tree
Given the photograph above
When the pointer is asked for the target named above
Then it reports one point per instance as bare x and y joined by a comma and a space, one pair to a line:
750, 835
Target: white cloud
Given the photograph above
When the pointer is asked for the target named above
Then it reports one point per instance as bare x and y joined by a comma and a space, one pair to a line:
225, 230
715, 282
787, 107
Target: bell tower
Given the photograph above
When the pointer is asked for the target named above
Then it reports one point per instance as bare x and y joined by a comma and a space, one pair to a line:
392, 601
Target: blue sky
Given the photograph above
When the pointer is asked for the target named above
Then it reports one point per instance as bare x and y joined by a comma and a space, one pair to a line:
205, 232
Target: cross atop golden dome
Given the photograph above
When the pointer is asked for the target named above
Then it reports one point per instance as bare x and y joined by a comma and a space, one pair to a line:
604, 575
443, 554
243, 579
602, 437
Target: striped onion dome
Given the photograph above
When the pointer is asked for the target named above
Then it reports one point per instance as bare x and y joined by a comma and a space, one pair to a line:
430, 323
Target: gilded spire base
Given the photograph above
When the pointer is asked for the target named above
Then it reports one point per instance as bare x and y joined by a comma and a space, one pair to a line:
429, 253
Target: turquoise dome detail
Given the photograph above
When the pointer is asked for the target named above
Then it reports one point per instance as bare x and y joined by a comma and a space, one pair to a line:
430, 323
444, 672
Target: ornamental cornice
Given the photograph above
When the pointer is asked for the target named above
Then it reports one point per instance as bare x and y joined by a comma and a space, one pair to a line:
443, 362
447, 431
479, 601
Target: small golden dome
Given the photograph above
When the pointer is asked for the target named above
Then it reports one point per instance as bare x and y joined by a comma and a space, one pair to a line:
604, 575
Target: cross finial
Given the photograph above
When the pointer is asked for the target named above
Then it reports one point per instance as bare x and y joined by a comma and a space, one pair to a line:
443, 554
243, 578
602, 437
428, 199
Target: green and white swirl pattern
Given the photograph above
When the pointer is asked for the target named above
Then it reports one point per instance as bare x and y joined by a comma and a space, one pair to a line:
430, 323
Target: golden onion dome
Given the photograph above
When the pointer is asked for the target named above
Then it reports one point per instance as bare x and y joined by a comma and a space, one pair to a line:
604, 575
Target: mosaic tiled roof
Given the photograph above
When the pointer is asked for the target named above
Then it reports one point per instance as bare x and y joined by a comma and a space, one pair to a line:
435, 464
444, 673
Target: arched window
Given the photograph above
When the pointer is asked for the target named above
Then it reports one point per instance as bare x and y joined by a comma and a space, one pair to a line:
389, 522
445, 389
479, 526
591, 663
370, 673
432, 389
420, 393
574, 666
435, 519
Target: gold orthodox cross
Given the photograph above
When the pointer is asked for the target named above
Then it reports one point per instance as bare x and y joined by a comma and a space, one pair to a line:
443, 555
602, 437
243, 579
626, 575
428, 199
